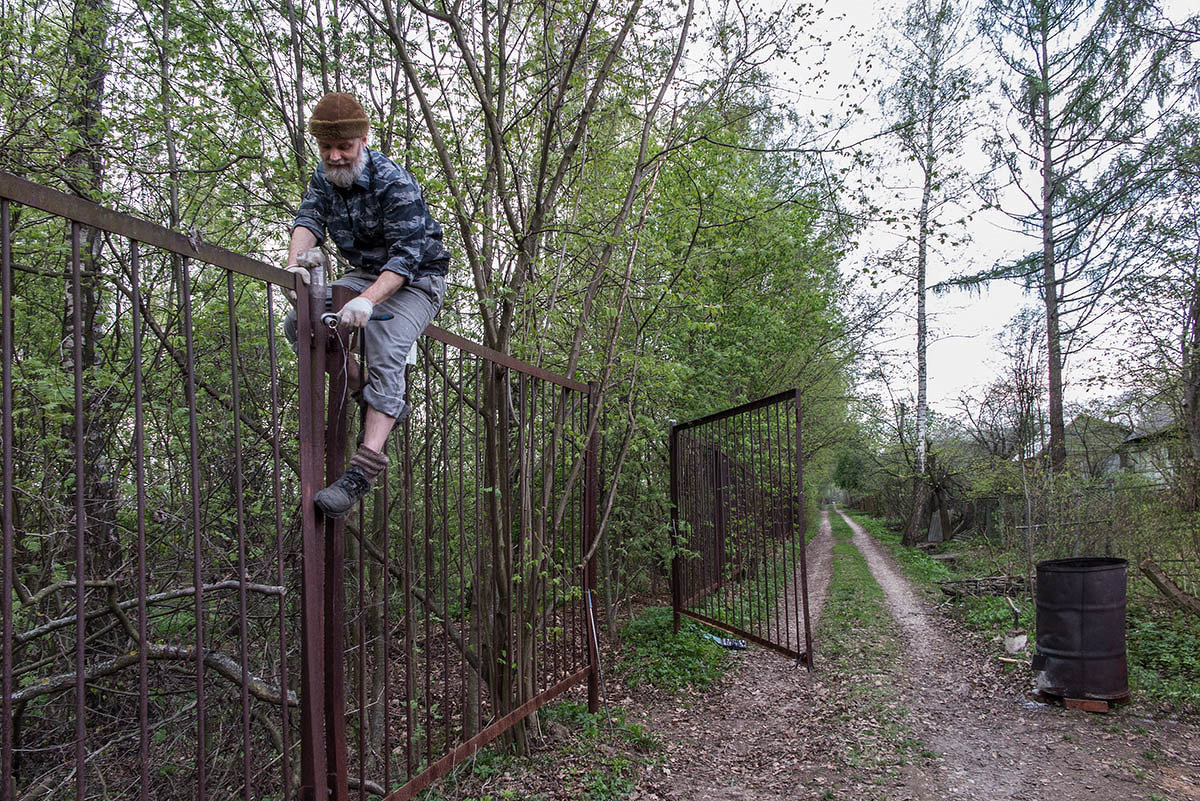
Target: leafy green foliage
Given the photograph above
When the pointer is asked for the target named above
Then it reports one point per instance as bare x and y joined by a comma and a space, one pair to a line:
1163, 650
991, 614
654, 654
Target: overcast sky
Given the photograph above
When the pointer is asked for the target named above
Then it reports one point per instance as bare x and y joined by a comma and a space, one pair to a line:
963, 356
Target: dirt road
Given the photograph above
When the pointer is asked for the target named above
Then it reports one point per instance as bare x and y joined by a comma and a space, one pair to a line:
770, 730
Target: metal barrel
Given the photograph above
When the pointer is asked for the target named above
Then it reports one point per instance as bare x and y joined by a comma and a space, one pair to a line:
1081, 628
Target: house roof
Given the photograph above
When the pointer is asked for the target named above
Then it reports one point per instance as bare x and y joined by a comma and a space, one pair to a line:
1157, 422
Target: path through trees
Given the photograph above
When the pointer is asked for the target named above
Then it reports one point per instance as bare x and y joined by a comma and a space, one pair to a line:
940, 720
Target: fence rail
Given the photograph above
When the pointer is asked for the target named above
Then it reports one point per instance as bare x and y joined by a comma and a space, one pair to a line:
739, 526
163, 562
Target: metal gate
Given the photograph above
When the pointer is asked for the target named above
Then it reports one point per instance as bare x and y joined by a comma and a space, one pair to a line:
738, 524
176, 619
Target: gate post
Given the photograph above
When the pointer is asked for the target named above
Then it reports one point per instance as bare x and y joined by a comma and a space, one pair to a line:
310, 376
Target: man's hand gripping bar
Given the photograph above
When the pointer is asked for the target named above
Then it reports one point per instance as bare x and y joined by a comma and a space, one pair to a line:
332, 319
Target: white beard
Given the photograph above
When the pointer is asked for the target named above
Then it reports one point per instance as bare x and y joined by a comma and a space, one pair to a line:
345, 175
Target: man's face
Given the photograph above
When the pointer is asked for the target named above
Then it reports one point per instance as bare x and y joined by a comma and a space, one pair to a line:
343, 159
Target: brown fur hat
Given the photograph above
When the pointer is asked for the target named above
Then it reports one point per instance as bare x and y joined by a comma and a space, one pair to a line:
338, 116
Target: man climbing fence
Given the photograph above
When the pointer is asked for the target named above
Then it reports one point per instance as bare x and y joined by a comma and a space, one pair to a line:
375, 213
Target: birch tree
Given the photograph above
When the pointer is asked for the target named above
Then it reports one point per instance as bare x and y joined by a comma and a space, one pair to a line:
929, 108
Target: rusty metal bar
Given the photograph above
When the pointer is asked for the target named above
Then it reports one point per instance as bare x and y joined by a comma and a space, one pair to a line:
139, 426
80, 513
7, 791
310, 367
197, 537
800, 538
501, 359
335, 558
277, 494
91, 215
591, 492
240, 536
467, 749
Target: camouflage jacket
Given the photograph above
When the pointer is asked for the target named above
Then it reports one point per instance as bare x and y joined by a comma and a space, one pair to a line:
380, 222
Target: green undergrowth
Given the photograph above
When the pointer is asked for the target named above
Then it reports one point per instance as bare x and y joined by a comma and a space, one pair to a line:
581, 756
1163, 650
653, 653
1162, 645
860, 640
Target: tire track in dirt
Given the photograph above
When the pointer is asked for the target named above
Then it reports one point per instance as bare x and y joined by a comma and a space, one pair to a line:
995, 744
737, 741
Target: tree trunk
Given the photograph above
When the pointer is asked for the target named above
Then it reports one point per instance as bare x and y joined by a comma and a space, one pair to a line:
1058, 447
922, 495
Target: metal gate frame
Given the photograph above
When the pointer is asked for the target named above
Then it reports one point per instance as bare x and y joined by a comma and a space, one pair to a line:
321, 699
738, 524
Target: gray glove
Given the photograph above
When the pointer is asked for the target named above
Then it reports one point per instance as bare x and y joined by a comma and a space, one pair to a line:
304, 276
356, 313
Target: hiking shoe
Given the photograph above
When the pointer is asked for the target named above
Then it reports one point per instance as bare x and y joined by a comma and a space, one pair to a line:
342, 495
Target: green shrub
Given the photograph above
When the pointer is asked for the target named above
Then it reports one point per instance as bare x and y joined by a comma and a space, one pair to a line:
1164, 656
991, 614
654, 654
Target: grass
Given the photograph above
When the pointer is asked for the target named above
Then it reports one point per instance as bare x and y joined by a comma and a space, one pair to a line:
591, 763
1162, 646
860, 640
654, 654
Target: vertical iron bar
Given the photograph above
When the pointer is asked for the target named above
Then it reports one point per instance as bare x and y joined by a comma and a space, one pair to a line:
510, 645
463, 543
579, 573
361, 612
719, 527
589, 537
240, 511
673, 463
277, 489
478, 368
385, 631
762, 561
6, 419
561, 400
774, 435
197, 543
80, 514
427, 582
408, 594
524, 529
445, 472
335, 563
139, 458
801, 538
